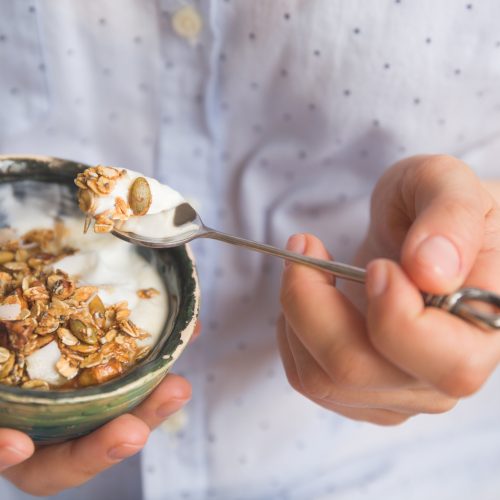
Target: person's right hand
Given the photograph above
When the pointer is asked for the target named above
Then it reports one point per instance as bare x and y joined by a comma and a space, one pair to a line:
53, 468
435, 227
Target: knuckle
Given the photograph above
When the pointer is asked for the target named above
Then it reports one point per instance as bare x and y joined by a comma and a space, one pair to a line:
347, 370
465, 380
429, 168
315, 385
438, 163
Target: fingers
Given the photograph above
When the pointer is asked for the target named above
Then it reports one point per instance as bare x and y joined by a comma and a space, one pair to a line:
57, 467
364, 410
450, 207
15, 447
311, 381
331, 328
170, 396
61, 466
429, 343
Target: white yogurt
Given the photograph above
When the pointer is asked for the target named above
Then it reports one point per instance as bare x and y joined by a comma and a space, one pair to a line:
101, 260
159, 220
42, 364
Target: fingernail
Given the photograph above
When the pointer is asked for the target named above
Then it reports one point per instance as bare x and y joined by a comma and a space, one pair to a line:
376, 279
172, 406
10, 456
440, 256
297, 244
123, 451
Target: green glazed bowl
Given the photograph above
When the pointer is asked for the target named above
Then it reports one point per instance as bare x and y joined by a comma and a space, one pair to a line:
53, 416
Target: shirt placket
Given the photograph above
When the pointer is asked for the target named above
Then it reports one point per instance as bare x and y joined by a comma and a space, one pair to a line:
185, 153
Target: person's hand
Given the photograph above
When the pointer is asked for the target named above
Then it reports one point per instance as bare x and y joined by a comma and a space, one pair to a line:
53, 468
394, 358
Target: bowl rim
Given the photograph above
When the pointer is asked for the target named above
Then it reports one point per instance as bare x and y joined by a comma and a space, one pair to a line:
183, 326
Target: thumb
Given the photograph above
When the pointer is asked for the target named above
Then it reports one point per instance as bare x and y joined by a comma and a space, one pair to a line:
302, 287
448, 231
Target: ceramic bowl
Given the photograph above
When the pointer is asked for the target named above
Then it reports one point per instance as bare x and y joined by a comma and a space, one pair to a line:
59, 415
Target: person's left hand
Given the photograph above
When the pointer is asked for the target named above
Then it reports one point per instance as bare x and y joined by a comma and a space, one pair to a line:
51, 469
441, 229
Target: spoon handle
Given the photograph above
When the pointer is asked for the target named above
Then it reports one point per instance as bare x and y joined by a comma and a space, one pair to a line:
455, 303
338, 269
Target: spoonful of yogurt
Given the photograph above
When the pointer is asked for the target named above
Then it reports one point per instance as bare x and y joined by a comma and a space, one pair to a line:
144, 212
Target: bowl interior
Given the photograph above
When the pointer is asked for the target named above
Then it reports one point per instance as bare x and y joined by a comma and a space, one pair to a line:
34, 179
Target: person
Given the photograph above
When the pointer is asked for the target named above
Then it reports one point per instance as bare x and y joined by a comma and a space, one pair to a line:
281, 117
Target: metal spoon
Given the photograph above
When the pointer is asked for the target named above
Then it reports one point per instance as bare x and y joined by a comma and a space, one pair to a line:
187, 225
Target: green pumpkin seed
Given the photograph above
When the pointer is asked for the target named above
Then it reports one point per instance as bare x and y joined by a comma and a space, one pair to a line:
83, 332
139, 196
97, 310
86, 200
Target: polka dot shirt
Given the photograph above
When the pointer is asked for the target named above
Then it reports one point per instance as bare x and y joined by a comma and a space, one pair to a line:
273, 117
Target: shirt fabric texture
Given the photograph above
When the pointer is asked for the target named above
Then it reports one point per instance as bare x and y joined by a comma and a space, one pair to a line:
272, 117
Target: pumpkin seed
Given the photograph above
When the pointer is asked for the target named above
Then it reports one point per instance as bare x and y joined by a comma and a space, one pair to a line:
97, 310
86, 200
86, 224
83, 332
139, 197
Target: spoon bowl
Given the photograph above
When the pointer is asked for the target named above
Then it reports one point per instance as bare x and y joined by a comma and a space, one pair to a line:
182, 222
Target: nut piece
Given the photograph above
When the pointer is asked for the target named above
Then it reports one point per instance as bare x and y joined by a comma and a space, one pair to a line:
147, 293
67, 338
84, 293
6, 368
36, 383
6, 256
101, 373
139, 196
65, 368
4, 355
40, 304
109, 172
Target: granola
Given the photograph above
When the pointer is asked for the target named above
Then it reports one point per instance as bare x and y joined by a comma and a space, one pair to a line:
101, 181
42, 306
110, 196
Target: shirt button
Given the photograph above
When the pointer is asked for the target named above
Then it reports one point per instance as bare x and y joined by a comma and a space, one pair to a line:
187, 23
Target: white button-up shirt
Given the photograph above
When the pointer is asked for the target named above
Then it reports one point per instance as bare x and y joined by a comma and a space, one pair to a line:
274, 116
